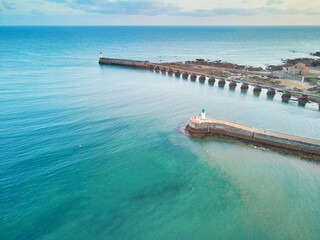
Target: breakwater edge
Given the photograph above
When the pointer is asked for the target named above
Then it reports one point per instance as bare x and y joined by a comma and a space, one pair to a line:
201, 126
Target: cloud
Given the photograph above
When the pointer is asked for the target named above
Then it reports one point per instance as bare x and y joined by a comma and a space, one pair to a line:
271, 2
156, 8
8, 6
121, 7
246, 12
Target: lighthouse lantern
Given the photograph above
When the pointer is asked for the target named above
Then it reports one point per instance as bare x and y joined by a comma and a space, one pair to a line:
203, 113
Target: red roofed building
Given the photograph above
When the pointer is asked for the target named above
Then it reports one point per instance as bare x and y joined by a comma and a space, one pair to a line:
299, 69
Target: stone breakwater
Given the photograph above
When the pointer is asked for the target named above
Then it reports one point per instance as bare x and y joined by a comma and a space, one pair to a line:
199, 127
124, 62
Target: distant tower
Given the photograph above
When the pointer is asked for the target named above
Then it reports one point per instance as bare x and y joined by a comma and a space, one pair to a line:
100, 54
203, 113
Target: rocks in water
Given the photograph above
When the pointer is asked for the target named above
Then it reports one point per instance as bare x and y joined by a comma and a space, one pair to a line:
157, 69
317, 54
170, 71
177, 73
151, 67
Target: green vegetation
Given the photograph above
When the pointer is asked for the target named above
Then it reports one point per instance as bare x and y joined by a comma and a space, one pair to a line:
316, 63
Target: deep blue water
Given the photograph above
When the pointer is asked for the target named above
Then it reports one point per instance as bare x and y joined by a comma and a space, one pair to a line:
135, 176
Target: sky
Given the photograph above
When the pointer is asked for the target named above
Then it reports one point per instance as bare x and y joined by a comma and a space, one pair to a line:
159, 12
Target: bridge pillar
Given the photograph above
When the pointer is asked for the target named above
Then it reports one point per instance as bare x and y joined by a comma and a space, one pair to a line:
202, 78
170, 72
271, 92
222, 82
303, 100
286, 96
151, 67
163, 70
177, 73
211, 80
257, 89
244, 86
193, 77
185, 75
157, 69
232, 84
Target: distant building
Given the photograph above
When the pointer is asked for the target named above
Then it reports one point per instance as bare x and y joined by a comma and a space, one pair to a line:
299, 69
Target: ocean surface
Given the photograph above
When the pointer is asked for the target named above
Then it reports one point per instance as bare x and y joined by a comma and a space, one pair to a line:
94, 152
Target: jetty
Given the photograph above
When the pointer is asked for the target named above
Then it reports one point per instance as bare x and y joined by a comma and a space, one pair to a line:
123, 62
286, 94
202, 126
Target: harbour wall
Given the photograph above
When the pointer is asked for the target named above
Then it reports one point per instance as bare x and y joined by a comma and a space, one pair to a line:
124, 62
199, 127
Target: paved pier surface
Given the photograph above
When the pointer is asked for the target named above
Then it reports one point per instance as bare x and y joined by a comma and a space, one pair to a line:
199, 127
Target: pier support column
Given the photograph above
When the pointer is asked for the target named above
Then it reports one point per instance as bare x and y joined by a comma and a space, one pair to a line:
286, 96
211, 80
221, 82
163, 70
157, 69
177, 73
151, 67
170, 72
232, 85
303, 100
244, 87
202, 78
271, 92
185, 75
257, 89
193, 77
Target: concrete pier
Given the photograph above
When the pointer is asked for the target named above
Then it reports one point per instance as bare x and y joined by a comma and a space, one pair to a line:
124, 62
211, 78
204, 127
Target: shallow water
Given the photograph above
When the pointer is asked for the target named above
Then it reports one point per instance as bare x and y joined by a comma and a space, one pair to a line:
136, 176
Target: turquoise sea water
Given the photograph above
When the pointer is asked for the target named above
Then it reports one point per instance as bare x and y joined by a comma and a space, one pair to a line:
135, 176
